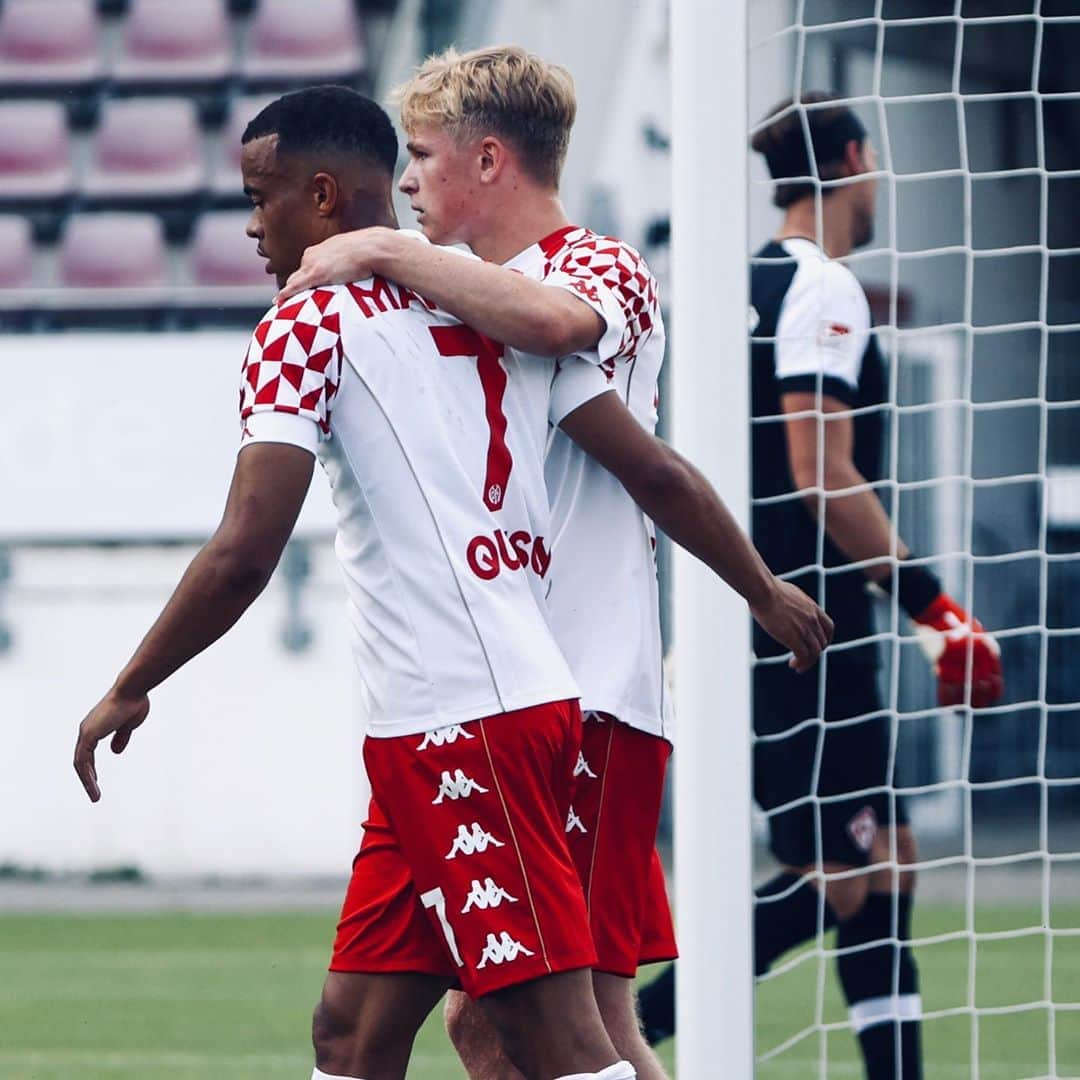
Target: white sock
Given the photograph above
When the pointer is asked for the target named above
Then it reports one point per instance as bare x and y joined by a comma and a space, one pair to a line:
621, 1070
319, 1075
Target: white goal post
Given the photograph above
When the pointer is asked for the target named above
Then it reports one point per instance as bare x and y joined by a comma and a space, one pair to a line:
973, 278
710, 396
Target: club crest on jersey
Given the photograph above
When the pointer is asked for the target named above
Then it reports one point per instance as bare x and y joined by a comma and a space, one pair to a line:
486, 895
472, 840
457, 786
502, 950
574, 822
582, 767
487, 556
832, 333
863, 828
444, 736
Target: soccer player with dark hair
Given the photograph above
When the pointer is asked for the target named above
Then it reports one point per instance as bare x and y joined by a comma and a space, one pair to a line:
820, 401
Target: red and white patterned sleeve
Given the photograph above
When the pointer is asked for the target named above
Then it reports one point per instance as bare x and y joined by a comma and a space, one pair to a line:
613, 279
292, 372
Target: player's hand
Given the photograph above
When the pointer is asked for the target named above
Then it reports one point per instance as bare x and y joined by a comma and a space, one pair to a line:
949, 636
114, 715
351, 256
793, 619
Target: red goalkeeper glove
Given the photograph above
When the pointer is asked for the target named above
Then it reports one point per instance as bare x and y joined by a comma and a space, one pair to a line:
949, 635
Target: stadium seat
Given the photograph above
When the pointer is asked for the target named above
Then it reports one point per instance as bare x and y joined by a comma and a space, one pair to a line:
166, 42
16, 252
227, 183
114, 251
53, 42
223, 255
35, 152
285, 41
148, 149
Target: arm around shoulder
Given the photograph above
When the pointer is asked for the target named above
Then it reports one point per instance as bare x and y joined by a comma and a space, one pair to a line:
501, 303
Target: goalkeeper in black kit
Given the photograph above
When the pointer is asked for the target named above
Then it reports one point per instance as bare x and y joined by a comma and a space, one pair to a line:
820, 404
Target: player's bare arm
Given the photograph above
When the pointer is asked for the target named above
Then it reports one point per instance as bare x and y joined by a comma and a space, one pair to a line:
679, 499
507, 306
856, 522
268, 489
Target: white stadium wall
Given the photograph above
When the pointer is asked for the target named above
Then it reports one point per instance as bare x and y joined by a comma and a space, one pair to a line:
250, 761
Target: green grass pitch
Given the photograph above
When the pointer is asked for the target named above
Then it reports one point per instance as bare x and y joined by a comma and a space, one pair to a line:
194, 996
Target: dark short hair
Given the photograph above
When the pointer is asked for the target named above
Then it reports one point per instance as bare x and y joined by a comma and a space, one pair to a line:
784, 146
328, 118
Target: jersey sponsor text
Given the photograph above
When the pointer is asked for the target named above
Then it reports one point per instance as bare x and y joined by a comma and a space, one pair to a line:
489, 555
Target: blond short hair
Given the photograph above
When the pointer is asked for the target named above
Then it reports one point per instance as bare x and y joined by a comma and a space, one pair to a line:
502, 90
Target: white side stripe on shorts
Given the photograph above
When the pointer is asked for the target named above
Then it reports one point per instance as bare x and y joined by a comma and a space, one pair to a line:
864, 1014
317, 1075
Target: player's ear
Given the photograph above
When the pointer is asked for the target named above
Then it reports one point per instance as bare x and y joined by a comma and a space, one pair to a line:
325, 194
854, 158
493, 156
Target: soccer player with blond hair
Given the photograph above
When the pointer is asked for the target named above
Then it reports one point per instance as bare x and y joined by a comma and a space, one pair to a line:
487, 134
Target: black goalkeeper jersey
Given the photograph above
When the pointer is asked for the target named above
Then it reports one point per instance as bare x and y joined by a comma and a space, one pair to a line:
810, 331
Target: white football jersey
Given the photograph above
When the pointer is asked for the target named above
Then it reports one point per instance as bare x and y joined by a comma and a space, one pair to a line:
604, 598
433, 441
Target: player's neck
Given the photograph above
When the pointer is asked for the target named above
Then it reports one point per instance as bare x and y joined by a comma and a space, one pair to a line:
800, 222
366, 211
518, 224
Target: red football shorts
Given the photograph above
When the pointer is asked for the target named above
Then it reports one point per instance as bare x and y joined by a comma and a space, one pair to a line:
464, 870
612, 835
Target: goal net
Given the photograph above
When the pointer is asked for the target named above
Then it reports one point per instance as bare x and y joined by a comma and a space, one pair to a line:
973, 278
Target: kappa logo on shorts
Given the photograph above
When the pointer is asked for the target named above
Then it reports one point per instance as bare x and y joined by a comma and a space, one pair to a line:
472, 840
502, 950
863, 828
574, 822
444, 736
582, 767
458, 786
487, 895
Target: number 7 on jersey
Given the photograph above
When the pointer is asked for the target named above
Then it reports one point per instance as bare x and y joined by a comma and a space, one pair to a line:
465, 341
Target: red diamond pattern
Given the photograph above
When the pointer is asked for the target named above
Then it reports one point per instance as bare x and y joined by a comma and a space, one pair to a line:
305, 334
293, 364
607, 264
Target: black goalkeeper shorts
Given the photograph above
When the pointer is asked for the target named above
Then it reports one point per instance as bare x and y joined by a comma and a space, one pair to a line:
850, 782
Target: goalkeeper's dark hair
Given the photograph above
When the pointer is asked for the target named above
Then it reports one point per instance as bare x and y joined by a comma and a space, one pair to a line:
783, 143
335, 118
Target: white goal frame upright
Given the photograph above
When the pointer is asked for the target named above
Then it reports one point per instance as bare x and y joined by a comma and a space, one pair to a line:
711, 424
